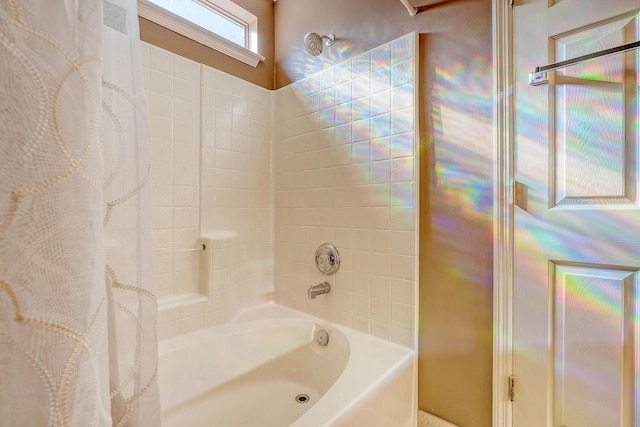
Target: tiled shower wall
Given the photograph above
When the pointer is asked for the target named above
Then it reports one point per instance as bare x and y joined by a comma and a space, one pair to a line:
345, 173
210, 137
237, 219
173, 96
343, 169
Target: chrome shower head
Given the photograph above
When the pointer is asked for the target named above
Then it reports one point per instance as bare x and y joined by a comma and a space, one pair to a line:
313, 42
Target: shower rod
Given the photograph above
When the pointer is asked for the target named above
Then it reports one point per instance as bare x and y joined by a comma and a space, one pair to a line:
540, 76
410, 7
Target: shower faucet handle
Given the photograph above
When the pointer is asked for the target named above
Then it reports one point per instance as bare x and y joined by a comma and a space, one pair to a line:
327, 258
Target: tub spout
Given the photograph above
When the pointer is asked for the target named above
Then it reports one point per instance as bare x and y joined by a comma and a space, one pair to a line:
319, 289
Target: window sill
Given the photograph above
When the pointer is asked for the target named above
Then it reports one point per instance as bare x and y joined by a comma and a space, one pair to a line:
175, 23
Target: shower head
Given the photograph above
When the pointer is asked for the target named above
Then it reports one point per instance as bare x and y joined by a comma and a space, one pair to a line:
313, 42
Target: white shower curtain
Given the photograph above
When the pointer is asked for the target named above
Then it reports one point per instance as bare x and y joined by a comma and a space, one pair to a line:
77, 300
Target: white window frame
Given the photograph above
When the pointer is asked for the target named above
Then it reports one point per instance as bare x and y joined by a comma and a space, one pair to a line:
248, 55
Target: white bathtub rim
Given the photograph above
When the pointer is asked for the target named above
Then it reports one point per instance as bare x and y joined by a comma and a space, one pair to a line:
288, 334
381, 359
372, 360
306, 326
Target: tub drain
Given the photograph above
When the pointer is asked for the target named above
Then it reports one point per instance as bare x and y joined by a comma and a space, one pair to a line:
302, 398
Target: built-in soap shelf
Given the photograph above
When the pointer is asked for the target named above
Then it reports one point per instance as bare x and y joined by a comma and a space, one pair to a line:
181, 300
205, 245
218, 235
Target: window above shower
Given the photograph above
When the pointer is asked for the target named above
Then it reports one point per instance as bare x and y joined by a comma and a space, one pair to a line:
219, 24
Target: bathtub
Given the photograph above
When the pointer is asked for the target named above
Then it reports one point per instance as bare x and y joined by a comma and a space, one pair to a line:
266, 369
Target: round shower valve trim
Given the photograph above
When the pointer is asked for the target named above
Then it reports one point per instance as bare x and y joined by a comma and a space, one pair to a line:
327, 258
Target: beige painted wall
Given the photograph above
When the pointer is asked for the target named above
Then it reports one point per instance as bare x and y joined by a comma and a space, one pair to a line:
456, 171
262, 75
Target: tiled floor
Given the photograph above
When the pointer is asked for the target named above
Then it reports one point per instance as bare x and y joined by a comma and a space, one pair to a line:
425, 419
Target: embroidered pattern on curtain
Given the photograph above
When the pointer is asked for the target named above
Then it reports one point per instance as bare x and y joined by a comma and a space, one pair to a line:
77, 299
